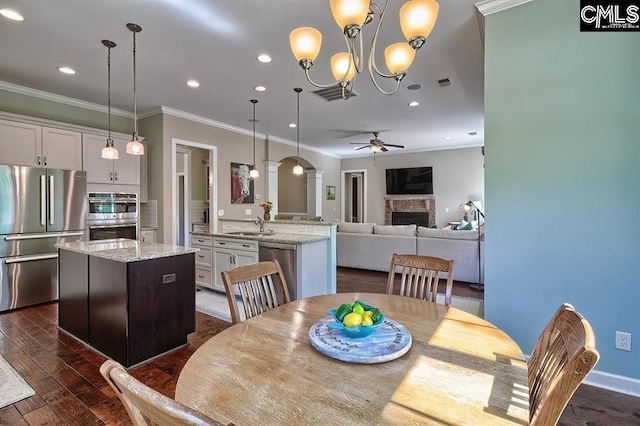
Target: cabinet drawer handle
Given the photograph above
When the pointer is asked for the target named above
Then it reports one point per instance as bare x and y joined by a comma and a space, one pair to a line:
246, 245
45, 160
201, 256
200, 276
116, 175
39, 160
221, 243
201, 241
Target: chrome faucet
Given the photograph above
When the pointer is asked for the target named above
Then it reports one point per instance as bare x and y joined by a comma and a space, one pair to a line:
260, 221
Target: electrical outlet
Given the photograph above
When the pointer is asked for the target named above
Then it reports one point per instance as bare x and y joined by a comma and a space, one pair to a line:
257, 196
446, 210
220, 212
247, 212
623, 341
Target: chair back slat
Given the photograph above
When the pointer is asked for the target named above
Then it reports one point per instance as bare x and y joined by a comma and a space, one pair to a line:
562, 357
261, 287
420, 275
147, 407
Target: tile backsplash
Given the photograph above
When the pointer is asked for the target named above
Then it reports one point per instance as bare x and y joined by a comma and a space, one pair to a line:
149, 214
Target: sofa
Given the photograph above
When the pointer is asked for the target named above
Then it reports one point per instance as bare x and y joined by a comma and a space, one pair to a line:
371, 246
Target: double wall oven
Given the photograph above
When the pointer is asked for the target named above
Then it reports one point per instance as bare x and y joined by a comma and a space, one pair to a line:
112, 215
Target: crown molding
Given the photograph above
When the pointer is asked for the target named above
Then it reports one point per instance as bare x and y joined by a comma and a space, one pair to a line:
220, 125
22, 90
489, 7
36, 121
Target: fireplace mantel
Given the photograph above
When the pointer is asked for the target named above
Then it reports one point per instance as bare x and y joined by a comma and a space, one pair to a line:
410, 203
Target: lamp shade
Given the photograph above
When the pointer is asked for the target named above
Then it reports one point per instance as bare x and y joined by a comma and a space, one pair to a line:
109, 152
305, 43
340, 66
135, 148
399, 57
297, 169
349, 12
418, 17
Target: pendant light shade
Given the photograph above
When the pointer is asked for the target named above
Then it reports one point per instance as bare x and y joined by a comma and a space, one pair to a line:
135, 147
254, 172
297, 169
109, 152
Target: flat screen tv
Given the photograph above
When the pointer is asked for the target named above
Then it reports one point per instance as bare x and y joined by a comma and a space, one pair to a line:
409, 180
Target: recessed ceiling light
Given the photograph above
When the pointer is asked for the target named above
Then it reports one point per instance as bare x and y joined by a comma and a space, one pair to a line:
264, 58
193, 83
446, 138
414, 103
260, 88
66, 70
11, 14
292, 125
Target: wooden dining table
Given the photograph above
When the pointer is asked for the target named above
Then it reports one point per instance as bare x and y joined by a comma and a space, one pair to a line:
459, 370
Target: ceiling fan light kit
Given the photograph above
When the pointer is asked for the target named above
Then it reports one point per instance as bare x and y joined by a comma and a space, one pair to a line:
376, 145
417, 19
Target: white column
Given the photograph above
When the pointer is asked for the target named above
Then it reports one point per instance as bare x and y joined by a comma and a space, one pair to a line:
272, 185
314, 192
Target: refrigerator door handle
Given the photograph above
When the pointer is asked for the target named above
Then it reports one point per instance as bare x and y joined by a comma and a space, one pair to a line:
43, 200
52, 197
20, 237
30, 258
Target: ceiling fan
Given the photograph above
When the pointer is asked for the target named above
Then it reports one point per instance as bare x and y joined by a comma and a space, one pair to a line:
376, 145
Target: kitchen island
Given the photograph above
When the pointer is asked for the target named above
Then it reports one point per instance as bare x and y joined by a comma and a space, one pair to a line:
127, 299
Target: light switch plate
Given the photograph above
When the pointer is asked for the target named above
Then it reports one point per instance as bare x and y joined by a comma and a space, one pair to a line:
220, 212
247, 212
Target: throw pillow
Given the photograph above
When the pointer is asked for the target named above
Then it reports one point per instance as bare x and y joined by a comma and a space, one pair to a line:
464, 226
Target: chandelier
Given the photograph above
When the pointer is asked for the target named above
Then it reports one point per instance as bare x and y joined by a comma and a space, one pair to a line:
417, 19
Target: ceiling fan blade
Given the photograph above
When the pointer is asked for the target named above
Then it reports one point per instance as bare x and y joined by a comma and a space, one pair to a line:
392, 145
357, 143
362, 147
383, 149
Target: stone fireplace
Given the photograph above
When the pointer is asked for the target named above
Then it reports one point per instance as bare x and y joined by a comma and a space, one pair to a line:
410, 204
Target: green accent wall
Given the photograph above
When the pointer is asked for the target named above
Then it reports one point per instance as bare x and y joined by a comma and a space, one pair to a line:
562, 176
36, 107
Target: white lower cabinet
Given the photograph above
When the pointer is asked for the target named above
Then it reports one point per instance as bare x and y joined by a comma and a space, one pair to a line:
230, 253
204, 260
148, 235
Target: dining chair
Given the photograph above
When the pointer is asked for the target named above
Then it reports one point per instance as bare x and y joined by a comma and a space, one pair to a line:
261, 287
144, 405
564, 354
420, 276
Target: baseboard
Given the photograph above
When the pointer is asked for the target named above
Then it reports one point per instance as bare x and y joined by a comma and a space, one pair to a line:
613, 382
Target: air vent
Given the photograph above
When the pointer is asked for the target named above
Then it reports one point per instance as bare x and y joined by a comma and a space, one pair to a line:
331, 93
444, 82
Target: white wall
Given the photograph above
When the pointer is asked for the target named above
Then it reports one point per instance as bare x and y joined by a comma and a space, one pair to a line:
458, 176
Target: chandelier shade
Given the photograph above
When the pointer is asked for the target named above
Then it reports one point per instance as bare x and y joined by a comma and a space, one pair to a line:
305, 43
349, 13
417, 20
342, 67
399, 57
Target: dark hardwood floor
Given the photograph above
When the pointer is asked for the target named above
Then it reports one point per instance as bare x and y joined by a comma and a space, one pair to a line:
70, 390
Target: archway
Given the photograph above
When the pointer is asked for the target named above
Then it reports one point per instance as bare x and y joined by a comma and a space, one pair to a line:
295, 194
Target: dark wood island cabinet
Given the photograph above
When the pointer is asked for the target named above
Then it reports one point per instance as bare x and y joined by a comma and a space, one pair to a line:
127, 299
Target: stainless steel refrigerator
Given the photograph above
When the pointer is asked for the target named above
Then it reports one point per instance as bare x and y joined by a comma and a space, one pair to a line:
38, 208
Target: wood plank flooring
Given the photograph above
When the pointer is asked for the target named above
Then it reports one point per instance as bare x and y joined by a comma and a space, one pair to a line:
70, 390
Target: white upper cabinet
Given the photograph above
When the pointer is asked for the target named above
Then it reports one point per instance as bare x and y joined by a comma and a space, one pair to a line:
124, 171
25, 144
61, 149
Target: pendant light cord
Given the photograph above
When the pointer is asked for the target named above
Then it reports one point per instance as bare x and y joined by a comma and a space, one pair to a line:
135, 105
254, 135
298, 130
109, 141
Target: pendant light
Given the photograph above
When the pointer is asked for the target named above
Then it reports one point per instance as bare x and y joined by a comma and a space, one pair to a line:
297, 169
109, 152
135, 147
254, 172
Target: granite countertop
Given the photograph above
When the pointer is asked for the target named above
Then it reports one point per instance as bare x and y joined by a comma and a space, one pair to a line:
278, 238
124, 250
293, 222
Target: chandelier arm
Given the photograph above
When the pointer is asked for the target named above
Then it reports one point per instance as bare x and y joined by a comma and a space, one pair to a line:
372, 51
375, 83
357, 55
322, 86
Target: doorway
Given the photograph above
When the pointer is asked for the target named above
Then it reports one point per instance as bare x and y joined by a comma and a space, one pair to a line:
183, 174
353, 196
